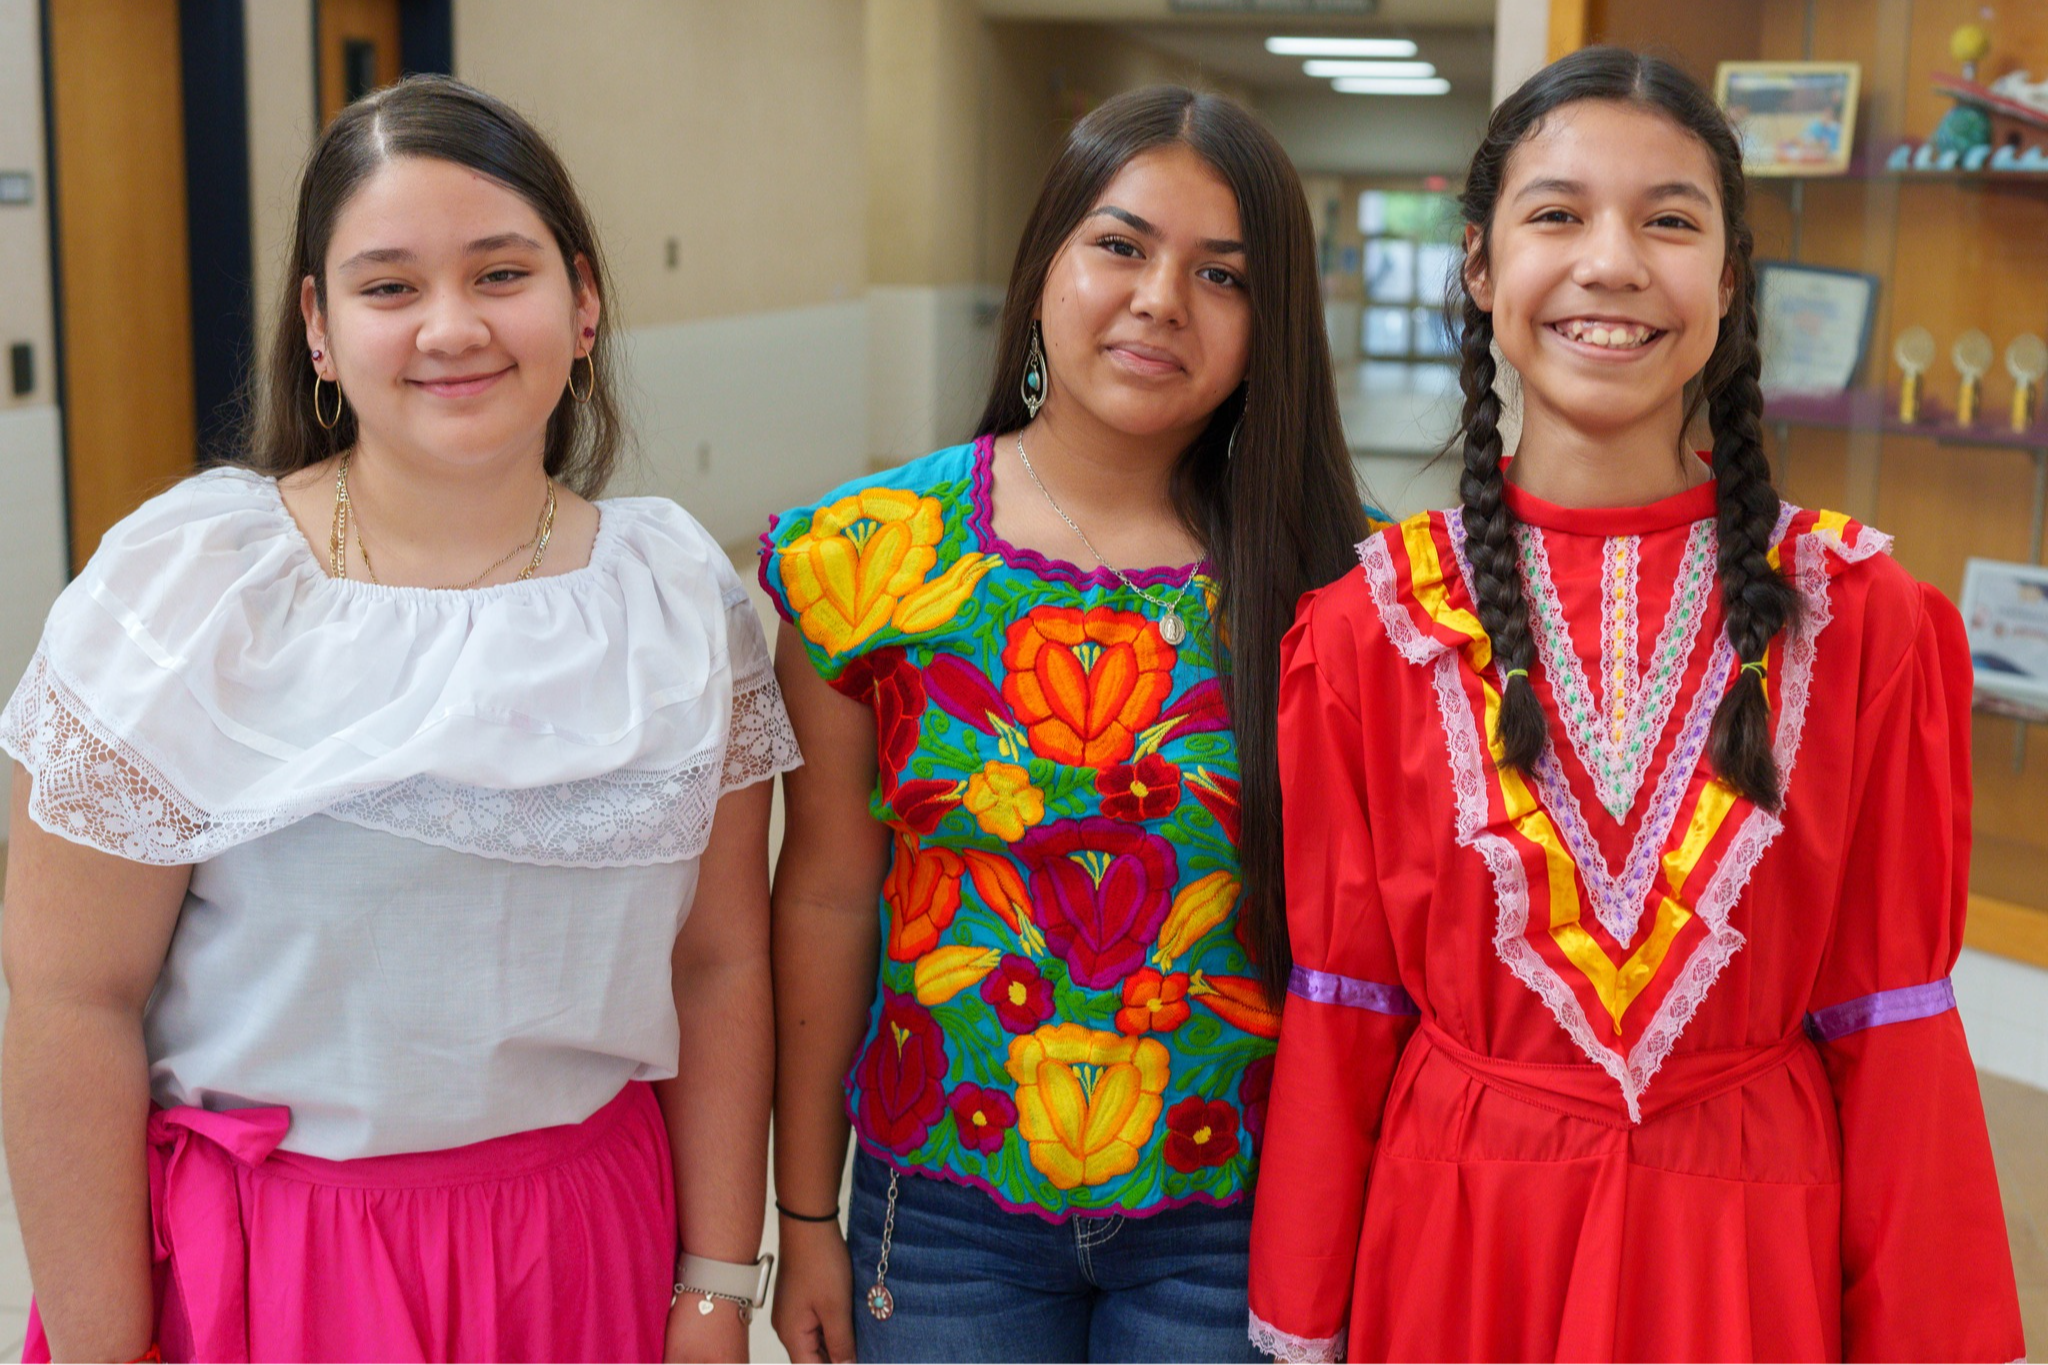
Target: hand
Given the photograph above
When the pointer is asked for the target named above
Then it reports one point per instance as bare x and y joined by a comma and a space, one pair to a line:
694, 1335
813, 1312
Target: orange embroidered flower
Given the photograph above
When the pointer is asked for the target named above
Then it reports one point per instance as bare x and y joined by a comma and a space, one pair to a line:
1084, 683
1003, 801
1153, 1003
923, 894
1086, 1101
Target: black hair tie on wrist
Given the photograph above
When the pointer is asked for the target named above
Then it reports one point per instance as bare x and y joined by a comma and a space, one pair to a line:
831, 1217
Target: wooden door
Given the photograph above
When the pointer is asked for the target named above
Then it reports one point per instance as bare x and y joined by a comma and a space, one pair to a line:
358, 51
118, 141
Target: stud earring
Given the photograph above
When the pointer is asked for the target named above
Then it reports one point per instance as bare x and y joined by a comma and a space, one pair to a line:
1034, 385
317, 355
589, 332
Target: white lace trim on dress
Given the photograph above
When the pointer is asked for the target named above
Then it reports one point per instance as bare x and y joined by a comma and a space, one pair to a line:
1466, 751
1287, 1346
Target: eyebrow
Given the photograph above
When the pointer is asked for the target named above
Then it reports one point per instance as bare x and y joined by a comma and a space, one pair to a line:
1670, 189
398, 255
1220, 246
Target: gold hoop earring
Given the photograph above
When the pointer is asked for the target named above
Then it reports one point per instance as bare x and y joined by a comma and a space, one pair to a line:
326, 423
588, 389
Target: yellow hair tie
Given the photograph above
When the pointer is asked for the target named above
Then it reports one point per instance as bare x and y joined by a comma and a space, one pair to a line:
1756, 664
1517, 673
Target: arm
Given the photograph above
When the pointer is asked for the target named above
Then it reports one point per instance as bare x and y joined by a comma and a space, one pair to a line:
717, 1104
1920, 1205
82, 944
827, 941
1346, 1019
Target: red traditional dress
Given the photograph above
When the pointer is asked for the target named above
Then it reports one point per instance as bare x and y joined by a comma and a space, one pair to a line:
1607, 1063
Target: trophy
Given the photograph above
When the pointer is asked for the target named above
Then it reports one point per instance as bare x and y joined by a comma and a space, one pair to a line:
1914, 350
2026, 360
1972, 355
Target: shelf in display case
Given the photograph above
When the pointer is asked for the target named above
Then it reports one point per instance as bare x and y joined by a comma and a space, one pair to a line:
1869, 409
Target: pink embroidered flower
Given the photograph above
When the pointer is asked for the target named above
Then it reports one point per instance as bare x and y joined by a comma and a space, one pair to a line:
1020, 993
1101, 889
981, 1117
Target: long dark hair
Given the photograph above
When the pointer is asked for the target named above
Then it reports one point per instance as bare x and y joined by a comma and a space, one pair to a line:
438, 117
1280, 516
1756, 600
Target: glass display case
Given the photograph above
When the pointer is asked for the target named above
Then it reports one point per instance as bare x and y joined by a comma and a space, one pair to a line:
1904, 318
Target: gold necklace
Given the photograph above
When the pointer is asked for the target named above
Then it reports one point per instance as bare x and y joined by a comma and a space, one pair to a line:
337, 542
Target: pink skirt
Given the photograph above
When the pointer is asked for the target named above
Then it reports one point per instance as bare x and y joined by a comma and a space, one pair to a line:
555, 1244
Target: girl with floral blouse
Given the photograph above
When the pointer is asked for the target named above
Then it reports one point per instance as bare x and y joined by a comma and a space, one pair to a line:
1051, 766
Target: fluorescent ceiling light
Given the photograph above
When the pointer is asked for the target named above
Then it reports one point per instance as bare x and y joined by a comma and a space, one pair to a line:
1340, 47
1372, 85
1403, 71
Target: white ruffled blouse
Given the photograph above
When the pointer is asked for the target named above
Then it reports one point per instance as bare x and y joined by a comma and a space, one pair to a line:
442, 841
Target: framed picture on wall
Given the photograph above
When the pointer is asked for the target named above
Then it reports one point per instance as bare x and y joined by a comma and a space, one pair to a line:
1795, 118
1814, 326
2005, 612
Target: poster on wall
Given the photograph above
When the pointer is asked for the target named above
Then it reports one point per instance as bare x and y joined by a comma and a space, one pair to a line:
2005, 611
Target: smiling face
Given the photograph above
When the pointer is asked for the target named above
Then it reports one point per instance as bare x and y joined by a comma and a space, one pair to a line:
451, 319
1605, 267
1147, 325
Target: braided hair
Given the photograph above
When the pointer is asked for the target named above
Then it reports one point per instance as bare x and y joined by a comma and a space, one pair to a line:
1757, 602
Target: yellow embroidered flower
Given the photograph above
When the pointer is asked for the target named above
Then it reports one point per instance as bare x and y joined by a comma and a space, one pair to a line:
1003, 801
1086, 1101
1201, 906
934, 604
944, 972
863, 563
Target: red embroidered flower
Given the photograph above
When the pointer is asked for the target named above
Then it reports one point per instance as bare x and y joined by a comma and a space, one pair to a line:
1146, 790
964, 692
1218, 794
1253, 1092
1153, 1003
902, 1075
886, 680
1021, 995
1200, 1133
922, 802
1101, 889
981, 1117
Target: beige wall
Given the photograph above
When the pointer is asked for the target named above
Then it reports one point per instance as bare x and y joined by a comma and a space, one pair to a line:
32, 554
735, 129
278, 68
24, 229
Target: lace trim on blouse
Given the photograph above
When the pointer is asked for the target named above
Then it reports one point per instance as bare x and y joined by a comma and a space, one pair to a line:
98, 789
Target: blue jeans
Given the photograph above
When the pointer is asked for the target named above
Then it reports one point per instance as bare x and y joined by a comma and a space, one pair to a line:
973, 1281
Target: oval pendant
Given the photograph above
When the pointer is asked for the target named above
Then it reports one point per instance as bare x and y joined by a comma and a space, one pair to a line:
881, 1303
1172, 629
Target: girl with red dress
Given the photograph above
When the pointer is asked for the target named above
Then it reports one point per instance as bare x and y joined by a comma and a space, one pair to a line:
1627, 832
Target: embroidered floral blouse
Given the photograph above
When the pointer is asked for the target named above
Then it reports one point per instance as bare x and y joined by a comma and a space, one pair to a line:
1066, 1017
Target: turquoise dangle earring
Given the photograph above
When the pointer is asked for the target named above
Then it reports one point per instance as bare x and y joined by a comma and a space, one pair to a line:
1033, 387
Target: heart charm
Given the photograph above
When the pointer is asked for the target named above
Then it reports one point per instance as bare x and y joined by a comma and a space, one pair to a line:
704, 1306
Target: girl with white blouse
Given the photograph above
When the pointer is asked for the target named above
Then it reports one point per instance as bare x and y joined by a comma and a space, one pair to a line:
386, 920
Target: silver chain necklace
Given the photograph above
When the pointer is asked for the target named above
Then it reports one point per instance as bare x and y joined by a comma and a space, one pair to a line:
1172, 628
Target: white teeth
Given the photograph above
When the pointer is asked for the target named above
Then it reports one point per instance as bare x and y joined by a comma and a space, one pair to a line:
1621, 337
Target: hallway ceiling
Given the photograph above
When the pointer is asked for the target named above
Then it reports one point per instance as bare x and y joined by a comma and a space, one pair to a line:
1387, 15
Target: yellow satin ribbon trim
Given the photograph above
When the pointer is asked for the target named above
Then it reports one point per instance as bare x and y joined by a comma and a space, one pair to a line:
1616, 986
